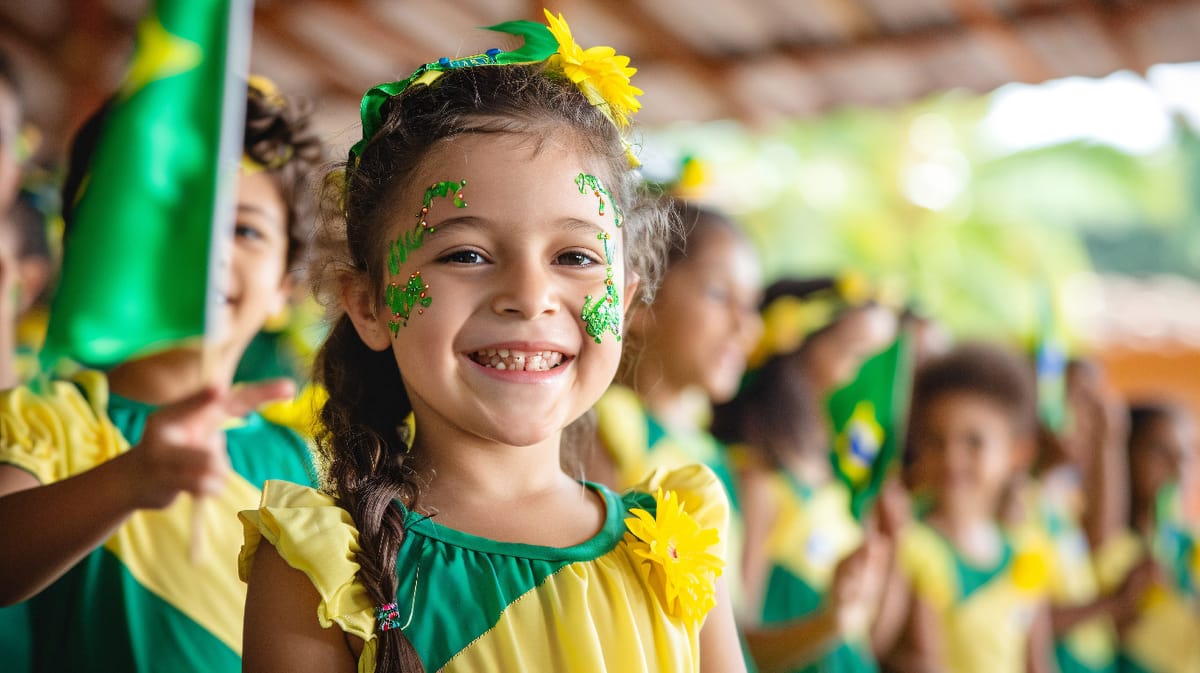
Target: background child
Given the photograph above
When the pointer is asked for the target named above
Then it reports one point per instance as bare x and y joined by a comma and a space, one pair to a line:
977, 601
477, 278
104, 537
798, 520
1077, 502
686, 350
1160, 635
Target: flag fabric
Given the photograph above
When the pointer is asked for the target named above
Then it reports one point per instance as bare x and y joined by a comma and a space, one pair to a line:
157, 204
1050, 357
868, 417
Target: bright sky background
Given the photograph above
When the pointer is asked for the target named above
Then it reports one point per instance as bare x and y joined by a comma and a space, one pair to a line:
1122, 110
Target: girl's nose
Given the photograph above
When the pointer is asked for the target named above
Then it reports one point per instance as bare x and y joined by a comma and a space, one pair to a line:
526, 289
748, 325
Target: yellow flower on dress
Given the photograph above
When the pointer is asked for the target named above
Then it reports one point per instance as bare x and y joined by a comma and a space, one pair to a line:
599, 72
675, 559
1031, 571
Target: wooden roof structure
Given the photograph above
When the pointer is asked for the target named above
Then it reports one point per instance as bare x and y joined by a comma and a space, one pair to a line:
751, 60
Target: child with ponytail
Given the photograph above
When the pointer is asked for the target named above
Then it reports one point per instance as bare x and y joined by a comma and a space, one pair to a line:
488, 233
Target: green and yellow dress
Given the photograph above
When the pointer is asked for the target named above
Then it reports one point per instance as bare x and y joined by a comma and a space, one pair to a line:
984, 613
812, 532
139, 602
1090, 646
1165, 636
467, 603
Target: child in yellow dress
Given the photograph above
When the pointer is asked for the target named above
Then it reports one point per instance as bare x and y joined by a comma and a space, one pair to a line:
977, 595
488, 233
91, 469
1161, 635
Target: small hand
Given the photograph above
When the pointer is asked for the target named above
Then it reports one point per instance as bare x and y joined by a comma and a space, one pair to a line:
858, 583
183, 446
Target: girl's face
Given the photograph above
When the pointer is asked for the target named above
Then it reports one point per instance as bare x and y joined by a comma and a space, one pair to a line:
488, 310
966, 444
257, 284
1161, 454
705, 321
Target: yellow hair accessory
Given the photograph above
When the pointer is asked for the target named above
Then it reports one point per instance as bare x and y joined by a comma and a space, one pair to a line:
267, 87
250, 166
787, 321
600, 73
693, 178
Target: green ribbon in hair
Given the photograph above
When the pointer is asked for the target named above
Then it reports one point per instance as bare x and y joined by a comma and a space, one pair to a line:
539, 45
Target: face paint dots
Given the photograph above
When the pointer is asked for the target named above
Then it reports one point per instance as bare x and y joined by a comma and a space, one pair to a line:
587, 182
603, 314
442, 189
402, 299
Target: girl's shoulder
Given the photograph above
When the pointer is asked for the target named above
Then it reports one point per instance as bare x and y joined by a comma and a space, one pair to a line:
312, 534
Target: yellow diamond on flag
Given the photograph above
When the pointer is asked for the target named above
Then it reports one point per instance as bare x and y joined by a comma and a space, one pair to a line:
859, 442
160, 54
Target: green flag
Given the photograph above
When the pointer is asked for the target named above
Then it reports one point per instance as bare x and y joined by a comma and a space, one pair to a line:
868, 418
157, 205
1050, 357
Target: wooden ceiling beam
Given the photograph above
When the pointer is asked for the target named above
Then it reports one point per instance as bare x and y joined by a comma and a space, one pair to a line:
270, 20
681, 55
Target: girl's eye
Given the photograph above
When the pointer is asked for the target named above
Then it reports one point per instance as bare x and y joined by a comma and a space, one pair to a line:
576, 258
975, 442
247, 231
716, 293
463, 257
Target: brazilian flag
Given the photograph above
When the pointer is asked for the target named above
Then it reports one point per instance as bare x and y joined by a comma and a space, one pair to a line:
868, 417
1050, 357
156, 208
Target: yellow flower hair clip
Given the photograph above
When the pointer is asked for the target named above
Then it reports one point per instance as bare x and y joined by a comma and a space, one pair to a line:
600, 73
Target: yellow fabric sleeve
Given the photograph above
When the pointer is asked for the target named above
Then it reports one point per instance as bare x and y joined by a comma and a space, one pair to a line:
702, 495
59, 433
318, 538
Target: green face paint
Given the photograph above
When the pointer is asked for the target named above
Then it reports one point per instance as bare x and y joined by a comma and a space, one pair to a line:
603, 314
587, 182
402, 299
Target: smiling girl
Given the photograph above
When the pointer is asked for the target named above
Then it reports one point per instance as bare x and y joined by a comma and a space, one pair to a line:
486, 241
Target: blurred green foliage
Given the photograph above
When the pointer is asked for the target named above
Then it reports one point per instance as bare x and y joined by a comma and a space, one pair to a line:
923, 203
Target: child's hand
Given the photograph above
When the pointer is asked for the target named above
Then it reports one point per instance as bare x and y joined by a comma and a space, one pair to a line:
858, 583
183, 446
893, 509
1133, 588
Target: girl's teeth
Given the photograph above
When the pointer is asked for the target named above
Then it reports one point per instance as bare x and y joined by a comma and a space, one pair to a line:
509, 360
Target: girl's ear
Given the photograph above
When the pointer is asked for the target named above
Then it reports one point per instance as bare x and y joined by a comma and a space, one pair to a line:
364, 313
